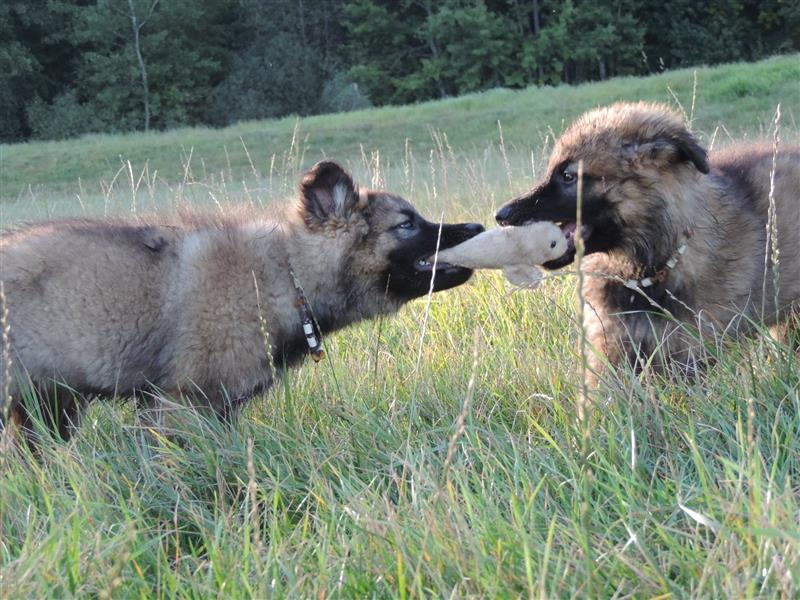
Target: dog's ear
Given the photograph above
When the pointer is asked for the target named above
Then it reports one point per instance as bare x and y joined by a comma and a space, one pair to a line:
327, 192
681, 146
690, 149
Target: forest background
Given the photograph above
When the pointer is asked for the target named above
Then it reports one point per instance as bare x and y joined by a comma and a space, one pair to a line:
70, 68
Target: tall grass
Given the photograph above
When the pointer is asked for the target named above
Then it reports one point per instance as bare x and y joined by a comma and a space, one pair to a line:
451, 468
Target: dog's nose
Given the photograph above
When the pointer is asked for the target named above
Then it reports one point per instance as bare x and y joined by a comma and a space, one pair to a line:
503, 215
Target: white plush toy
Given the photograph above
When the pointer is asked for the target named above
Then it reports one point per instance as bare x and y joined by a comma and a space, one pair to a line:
516, 250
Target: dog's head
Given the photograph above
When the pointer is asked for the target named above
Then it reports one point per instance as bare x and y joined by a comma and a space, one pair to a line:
634, 157
385, 242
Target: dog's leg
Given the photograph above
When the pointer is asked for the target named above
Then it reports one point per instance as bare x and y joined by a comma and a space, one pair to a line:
58, 408
680, 351
48, 410
609, 346
13, 428
793, 331
152, 406
166, 413
788, 331
641, 342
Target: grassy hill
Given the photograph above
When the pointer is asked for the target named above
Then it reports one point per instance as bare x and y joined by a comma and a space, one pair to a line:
733, 100
439, 463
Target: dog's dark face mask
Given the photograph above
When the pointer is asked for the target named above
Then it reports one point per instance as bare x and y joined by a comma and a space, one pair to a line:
622, 203
410, 272
556, 199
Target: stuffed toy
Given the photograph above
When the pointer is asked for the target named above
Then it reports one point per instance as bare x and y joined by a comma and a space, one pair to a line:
515, 250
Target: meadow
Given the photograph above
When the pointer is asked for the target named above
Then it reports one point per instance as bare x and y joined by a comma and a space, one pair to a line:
438, 453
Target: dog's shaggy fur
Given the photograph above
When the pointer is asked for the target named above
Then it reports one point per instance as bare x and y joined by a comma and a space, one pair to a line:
648, 190
205, 306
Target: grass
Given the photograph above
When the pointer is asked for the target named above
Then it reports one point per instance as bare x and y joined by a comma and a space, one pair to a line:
460, 472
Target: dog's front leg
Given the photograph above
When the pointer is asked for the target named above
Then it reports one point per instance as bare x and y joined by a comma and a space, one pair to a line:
609, 346
788, 331
640, 342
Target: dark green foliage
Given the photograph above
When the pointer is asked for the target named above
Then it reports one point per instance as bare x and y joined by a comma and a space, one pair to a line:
37, 59
682, 33
381, 47
341, 94
265, 82
279, 65
65, 117
19, 76
69, 67
183, 47
471, 47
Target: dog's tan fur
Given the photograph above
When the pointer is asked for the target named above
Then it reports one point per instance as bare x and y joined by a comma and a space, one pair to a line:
649, 188
176, 304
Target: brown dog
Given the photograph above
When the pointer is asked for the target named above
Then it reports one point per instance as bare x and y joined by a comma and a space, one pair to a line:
207, 306
671, 236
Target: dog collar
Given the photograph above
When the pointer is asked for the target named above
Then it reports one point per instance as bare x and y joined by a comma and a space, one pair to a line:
661, 275
312, 333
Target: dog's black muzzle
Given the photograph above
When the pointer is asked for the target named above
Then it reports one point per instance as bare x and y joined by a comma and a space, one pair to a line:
545, 203
550, 202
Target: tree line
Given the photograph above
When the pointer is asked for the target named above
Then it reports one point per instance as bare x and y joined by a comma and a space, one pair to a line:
73, 67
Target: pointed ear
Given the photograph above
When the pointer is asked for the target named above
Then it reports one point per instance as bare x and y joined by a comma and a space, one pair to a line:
690, 149
327, 192
680, 147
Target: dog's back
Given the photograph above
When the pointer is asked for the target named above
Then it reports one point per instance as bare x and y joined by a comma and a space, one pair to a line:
86, 298
754, 166
750, 177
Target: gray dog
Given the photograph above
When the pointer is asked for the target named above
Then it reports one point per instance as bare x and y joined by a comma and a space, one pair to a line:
207, 306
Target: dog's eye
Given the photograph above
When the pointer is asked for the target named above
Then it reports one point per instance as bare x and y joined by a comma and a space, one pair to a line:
567, 176
405, 225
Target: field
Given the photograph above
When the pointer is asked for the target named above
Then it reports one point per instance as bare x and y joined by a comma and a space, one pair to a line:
443, 460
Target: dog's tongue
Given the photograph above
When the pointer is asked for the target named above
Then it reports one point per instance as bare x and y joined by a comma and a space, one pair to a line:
568, 229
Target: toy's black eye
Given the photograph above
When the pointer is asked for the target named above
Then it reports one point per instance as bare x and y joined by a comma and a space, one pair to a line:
567, 176
553, 244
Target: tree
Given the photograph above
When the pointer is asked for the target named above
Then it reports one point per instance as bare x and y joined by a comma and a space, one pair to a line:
417, 49
20, 77
381, 48
37, 59
609, 41
283, 60
471, 49
548, 53
148, 64
137, 24
72, 66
